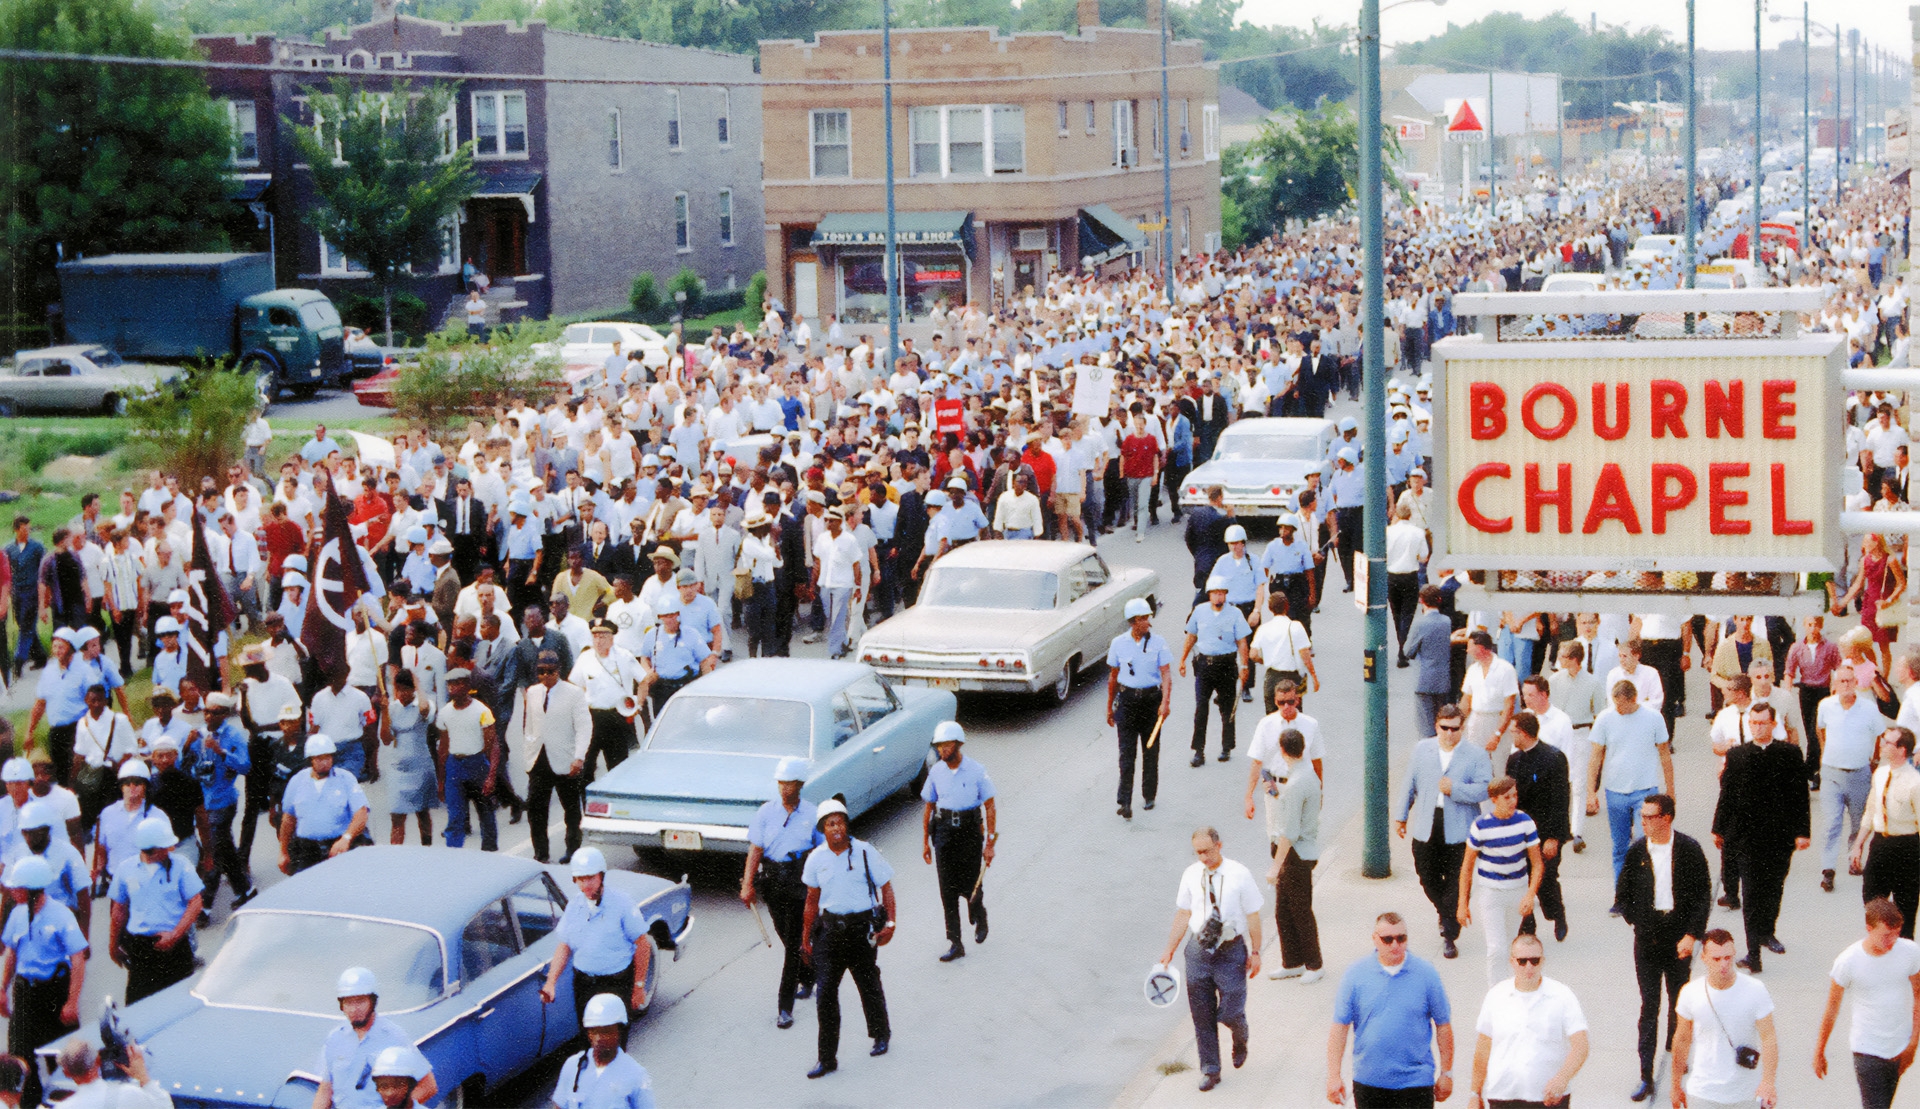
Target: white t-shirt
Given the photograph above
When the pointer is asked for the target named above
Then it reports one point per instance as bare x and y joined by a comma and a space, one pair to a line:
1230, 888
1266, 741
1646, 684
1718, 1028
465, 728
1882, 996
1660, 857
1280, 639
1529, 1032
1491, 687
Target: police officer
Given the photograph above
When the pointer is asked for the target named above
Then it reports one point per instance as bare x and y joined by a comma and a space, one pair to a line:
604, 935
1243, 588
348, 1056
156, 899
44, 970
603, 1076
397, 1076
1347, 497
322, 812
1140, 692
1287, 565
672, 656
959, 796
610, 675
1221, 633
217, 758
70, 885
778, 839
849, 915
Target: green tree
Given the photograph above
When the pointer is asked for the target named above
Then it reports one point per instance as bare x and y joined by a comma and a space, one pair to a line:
1632, 65
457, 378
384, 180
195, 428
99, 158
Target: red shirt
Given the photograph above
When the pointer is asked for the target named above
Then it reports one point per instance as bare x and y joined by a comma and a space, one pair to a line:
1043, 469
284, 537
1138, 453
373, 509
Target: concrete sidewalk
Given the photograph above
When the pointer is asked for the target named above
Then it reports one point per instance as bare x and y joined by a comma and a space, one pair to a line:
1288, 1022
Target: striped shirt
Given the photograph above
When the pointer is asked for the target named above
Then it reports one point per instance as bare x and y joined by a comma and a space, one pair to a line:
1502, 846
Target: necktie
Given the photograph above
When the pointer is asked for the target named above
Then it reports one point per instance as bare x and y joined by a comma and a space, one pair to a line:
229, 556
546, 698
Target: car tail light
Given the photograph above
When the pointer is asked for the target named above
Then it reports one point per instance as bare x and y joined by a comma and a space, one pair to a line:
1019, 664
1193, 490
869, 658
598, 808
1002, 664
985, 662
1276, 490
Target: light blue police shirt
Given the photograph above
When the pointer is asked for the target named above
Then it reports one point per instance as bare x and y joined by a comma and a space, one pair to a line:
601, 936
1218, 631
674, 656
155, 894
347, 1061
42, 942
622, 1084
784, 836
842, 879
1139, 661
323, 809
1286, 558
960, 789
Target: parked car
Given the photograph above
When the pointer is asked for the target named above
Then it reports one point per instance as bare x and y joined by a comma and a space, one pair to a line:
1262, 462
456, 939
366, 357
1019, 616
583, 348
76, 378
707, 763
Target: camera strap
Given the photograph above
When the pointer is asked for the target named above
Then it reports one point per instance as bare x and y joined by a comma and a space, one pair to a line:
1707, 987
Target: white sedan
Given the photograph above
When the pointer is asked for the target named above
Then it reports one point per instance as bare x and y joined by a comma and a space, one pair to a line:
583, 348
76, 378
1262, 463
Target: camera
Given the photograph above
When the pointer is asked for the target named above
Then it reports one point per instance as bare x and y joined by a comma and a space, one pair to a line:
1747, 1058
1211, 933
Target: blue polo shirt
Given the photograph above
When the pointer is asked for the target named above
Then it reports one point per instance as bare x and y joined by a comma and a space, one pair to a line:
317, 450
602, 934
155, 894
42, 942
65, 690
700, 616
1218, 631
784, 836
961, 789
842, 879
523, 541
1139, 660
1347, 489
1286, 558
216, 776
623, 1084
964, 522
1393, 1017
323, 809
346, 1061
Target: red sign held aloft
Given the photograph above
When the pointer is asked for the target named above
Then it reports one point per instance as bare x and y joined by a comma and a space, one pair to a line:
947, 416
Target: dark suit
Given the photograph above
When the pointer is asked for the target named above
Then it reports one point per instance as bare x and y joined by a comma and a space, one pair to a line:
1545, 792
1429, 648
1762, 811
1656, 934
1206, 538
1326, 383
469, 543
1208, 426
610, 561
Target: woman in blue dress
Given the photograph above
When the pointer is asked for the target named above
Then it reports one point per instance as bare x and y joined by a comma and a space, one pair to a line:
406, 726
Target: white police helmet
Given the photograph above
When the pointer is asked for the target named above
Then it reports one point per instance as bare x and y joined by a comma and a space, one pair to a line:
135, 769
16, 770
588, 861
356, 982
1288, 520
154, 832
319, 744
793, 768
829, 808
396, 1062
30, 873
604, 1010
1217, 583
36, 814
948, 731
1138, 606
1236, 534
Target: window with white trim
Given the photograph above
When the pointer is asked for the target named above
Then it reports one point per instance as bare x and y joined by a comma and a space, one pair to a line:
613, 138
243, 117
965, 140
832, 145
499, 124
335, 261
1126, 150
448, 128
448, 237
1210, 131
1062, 112
725, 124
1092, 118
726, 217
681, 242
1186, 131
673, 119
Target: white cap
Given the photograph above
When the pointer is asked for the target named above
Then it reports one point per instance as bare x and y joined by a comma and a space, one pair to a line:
949, 731
828, 808
604, 1011
319, 744
36, 814
793, 768
30, 873
1236, 534
178, 597
1217, 582
1138, 606
166, 625
668, 604
1350, 456
1288, 520
1348, 423
399, 1062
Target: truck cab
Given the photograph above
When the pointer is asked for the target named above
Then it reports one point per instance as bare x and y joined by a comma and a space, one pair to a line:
291, 339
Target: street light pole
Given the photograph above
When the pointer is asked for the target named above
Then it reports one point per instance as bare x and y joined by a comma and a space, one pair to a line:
1806, 131
1836, 116
1166, 170
1691, 259
1376, 859
890, 269
1753, 244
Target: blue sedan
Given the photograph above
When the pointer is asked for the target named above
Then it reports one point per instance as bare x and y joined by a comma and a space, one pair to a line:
459, 940
708, 763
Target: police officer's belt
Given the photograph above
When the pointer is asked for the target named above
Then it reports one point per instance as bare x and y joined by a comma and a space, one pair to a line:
781, 872
956, 818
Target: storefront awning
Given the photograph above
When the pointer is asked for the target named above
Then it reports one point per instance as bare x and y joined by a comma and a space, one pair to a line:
508, 183
245, 188
909, 229
1106, 234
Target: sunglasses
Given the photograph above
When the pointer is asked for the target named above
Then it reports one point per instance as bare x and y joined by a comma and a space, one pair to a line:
1444, 728
1398, 937
1527, 960
1283, 704
546, 669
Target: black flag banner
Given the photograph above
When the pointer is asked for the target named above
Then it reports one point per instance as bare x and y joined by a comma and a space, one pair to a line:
209, 611
339, 578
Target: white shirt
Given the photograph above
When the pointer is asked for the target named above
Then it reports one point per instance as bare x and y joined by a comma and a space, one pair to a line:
1646, 685
366, 655
1661, 856
1491, 687
1279, 640
608, 681
1729, 1021
1230, 888
103, 741
1266, 741
341, 717
1529, 1030
465, 727
1882, 996
1406, 547
1556, 729
837, 556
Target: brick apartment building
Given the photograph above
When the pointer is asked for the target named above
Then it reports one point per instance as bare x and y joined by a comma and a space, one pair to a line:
1035, 153
583, 184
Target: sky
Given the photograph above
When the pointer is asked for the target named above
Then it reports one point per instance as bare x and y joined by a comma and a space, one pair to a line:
1719, 24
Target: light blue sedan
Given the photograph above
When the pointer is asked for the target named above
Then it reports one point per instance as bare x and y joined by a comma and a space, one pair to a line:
708, 763
459, 941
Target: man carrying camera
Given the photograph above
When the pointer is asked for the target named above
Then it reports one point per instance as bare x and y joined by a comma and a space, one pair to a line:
1218, 910
849, 916
1725, 1052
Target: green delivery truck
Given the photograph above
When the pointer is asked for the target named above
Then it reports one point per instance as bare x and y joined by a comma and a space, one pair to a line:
172, 307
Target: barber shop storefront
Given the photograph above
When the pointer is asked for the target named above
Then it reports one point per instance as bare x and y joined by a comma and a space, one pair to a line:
936, 262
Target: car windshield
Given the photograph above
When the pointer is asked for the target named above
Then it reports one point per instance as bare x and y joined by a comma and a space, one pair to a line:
320, 313
102, 357
288, 962
734, 726
1269, 445
983, 587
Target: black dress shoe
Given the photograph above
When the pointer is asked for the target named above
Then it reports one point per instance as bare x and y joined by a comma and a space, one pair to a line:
1728, 902
1246, 696
954, 952
1644, 1090
1199, 758
784, 1020
879, 1048
1448, 949
1774, 945
541, 859
822, 1069
1148, 804
804, 992
1208, 1082
980, 931
241, 899
1402, 664
1750, 963
1239, 1055
1126, 812
1559, 931
1226, 756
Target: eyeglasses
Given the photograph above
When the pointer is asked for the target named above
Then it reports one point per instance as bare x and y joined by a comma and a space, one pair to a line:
1284, 704
1445, 728
546, 669
1527, 960
1398, 937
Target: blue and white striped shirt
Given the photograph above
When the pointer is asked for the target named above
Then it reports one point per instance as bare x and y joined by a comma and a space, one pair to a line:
1502, 845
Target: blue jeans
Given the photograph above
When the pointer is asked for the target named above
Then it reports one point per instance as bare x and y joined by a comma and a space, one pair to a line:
1019, 533
466, 778
1623, 820
1843, 794
1516, 652
1140, 493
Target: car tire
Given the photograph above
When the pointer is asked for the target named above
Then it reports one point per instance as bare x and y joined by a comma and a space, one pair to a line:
1062, 687
8, 409
114, 405
653, 976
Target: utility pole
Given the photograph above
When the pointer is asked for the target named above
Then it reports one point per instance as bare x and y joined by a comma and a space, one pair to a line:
1837, 144
1493, 169
1753, 244
1166, 169
1692, 192
890, 270
1376, 861
1806, 131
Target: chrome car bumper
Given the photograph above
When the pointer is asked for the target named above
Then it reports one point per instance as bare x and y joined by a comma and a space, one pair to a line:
653, 833
965, 682
1262, 507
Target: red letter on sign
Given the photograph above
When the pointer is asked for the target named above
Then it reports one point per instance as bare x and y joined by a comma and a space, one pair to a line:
1561, 498
1600, 425
1669, 405
1471, 485
1487, 410
1775, 408
1726, 406
1611, 501
1782, 525
1664, 502
1720, 498
1568, 413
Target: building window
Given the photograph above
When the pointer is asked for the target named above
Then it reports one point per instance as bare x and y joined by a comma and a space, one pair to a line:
726, 217
243, 117
673, 119
1126, 151
680, 239
613, 138
1092, 118
726, 115
334, 261
1186, 122
955, 141
1063, 117
499, 124
1153, 126
449, 240
448, 128
1186, 222
1210, 131
832, 144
